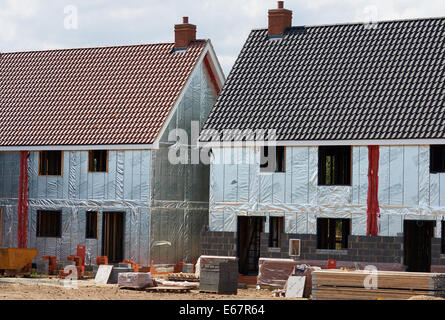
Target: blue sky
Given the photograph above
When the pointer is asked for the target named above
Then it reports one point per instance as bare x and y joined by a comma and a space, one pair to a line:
39, 24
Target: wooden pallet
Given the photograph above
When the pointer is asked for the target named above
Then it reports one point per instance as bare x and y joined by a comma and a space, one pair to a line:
215, 292
173, 277
133, 288
169, 289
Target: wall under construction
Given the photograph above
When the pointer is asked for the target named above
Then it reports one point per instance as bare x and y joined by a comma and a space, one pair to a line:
407, 190
165, 205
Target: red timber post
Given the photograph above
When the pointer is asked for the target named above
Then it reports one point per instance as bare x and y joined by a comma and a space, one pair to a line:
373, 187
22, 207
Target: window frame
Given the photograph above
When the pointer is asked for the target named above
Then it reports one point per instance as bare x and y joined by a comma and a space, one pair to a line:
278, 156
88, 215
279, 230
433, 149
330, 240
40, 163
322, 172
39, 222
90, 159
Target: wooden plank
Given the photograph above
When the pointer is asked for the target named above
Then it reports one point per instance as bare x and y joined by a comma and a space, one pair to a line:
169, 289
331, 293
399, 280
350, 285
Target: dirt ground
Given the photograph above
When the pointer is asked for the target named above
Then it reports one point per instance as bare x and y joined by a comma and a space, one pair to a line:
53, 289
26, 289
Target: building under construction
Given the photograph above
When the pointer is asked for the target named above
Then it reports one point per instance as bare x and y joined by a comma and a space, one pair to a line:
85, 143
337, 142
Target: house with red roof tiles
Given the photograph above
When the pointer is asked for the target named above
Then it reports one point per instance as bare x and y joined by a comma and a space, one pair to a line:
87, 141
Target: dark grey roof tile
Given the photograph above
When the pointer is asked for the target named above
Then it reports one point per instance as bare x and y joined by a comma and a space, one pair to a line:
339, 82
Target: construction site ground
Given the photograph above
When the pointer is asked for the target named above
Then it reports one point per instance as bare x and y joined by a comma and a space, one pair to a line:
54, 289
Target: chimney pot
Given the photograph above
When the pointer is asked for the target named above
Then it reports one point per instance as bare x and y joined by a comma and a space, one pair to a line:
279, 20
184, 33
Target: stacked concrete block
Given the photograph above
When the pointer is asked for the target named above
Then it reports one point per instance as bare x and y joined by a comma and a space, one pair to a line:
114, 277
188, 268
95, 268
219, 276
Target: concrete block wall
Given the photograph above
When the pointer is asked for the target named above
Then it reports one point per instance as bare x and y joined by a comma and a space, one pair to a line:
361, 248
219, 243
437, 258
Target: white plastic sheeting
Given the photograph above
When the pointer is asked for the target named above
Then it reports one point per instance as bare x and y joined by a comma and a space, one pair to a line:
406, 189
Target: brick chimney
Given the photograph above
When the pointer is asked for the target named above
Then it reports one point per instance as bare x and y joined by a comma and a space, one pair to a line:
279, 19
184, 33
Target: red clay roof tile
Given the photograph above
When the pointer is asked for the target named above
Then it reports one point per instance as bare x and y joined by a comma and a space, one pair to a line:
92, 96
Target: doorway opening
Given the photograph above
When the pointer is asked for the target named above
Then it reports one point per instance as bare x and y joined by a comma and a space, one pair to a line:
249, 232
113, 236
418, 235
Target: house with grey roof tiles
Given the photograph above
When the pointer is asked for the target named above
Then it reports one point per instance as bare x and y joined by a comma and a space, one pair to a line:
328, 143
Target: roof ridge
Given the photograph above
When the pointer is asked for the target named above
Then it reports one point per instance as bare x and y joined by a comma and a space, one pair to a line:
99, 47
360, 22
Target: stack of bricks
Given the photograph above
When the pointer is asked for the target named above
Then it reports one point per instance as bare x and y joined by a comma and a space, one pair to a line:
101, 260
145, 269
219, 276
134, 265
52, 264
79, 261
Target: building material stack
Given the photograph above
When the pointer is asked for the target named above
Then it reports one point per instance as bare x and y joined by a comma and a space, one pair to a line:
375, 285
134, 280
50, 263
219, 276
189, 277
275, 272
120, 268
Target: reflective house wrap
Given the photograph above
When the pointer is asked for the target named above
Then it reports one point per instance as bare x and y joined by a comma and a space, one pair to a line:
164, 206
337, 142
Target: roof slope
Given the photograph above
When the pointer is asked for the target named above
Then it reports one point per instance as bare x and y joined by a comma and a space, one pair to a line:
92, 96
339, 82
